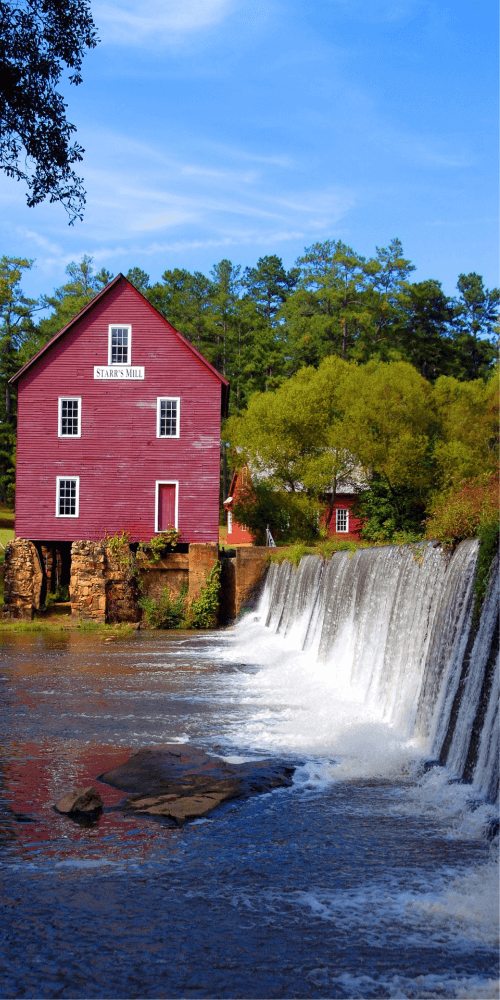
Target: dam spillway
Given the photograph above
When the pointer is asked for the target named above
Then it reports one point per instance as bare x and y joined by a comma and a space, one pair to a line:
393, 629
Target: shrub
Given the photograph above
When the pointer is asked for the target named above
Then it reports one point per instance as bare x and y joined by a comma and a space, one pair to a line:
60, 595
167, 612
465, 512
156, 545
203, 612
175, 612
489, 536
119, 545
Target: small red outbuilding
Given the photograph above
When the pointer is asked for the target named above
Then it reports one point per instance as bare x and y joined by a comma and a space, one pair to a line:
118, 428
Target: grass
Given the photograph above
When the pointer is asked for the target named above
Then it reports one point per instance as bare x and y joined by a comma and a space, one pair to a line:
121, 631
327, 547
6, 517
324, 548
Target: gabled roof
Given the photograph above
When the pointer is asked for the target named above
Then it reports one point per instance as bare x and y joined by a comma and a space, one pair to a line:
90, 305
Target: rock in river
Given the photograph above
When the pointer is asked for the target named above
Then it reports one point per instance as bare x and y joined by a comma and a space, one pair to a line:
85, 800
182, 782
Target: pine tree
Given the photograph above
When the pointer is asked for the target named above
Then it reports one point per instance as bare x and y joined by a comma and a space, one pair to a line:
16, 327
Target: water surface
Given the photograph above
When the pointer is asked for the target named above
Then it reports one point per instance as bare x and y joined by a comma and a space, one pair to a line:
360, 881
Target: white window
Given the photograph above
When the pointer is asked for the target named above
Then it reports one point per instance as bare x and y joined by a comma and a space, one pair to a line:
119, 344
342, 519
229, 523
67, 496
168, 417
70, 417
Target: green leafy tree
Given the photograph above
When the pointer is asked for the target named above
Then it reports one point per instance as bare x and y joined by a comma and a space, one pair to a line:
389, 427
289, 516
36, 41
293, 441
467, 446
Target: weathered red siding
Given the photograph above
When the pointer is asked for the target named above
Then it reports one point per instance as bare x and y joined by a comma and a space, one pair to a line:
118, 457
346, 501
239, 534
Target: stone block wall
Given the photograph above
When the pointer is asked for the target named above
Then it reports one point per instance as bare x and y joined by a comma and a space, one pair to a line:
202, 558
104, 584
23, 576
87, 589
121, 589
172, 571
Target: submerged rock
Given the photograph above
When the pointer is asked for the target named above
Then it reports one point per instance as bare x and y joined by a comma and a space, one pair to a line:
85, 800
182, 782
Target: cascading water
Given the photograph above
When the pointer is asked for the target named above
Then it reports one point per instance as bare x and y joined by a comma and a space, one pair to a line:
391, 630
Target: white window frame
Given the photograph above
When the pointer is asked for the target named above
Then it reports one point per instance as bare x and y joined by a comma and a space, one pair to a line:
343, 510
168, 399
76, 479
123, 326
229, 522
166, 482
69, 399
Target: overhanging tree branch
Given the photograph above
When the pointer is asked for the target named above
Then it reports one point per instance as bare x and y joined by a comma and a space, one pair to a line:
37, 39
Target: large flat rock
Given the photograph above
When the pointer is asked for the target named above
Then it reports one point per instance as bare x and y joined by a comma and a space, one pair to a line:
182, 782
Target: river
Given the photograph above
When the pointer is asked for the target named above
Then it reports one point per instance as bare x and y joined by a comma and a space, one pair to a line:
367, 878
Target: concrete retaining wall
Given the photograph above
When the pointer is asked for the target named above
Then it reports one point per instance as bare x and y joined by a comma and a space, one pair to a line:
240, 578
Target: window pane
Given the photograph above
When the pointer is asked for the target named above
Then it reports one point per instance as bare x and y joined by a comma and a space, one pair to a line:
168, 418
119, 345
67, 497
69, 417
342, 519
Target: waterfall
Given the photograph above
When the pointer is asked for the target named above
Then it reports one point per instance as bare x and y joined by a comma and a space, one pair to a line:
394, 626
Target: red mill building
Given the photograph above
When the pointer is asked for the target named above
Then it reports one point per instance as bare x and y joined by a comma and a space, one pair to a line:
118, 428
118, 431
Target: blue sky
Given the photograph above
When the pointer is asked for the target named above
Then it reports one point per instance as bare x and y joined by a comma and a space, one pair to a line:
239, 128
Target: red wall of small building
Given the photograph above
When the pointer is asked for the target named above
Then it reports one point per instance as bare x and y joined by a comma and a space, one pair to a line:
118, 456
346, 501
239, 535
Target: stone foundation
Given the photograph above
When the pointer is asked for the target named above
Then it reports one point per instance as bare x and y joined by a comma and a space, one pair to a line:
87, 587
202, 558
171, 571
106, 585
121, 590
23, 580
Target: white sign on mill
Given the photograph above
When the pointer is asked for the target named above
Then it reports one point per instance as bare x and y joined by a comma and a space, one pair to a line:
129, 372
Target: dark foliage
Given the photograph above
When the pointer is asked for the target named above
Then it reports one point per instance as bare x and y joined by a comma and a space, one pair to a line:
389, 512
37, 39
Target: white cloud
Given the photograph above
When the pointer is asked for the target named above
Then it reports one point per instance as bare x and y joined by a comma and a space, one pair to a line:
156, 21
